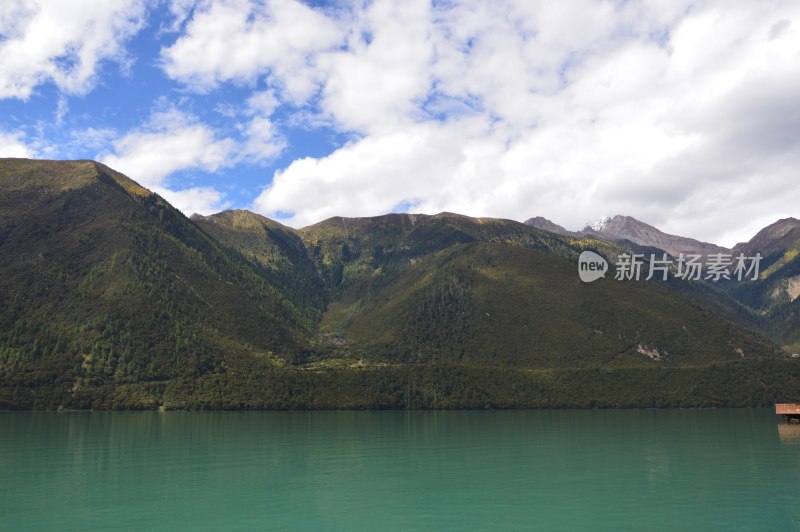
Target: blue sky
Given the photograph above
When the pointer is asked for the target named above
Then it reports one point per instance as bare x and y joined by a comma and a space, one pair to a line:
124, 94
683, 114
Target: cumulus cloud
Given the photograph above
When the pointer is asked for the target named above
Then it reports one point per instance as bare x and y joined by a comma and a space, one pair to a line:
199, 200
377, 173
240, 40
171, 141
180, 11
682, 115
379, 81
262, 143
12, 145
262, 103
62, 41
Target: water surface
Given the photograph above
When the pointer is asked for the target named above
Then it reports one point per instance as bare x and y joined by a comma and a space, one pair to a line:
552, 470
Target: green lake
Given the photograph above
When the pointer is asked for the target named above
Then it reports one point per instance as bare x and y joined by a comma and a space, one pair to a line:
528, 470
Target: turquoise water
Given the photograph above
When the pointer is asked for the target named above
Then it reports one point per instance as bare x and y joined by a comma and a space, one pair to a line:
547, 470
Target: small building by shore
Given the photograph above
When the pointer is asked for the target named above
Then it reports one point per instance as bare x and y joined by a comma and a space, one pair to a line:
789, 411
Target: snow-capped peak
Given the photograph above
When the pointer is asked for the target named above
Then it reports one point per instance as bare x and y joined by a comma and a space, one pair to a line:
599, 224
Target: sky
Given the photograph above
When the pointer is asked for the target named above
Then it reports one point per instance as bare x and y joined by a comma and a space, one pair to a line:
683, 114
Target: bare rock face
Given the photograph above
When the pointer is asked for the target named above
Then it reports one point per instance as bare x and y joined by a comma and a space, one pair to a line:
546, 225
793, 287
628, 228
775, 237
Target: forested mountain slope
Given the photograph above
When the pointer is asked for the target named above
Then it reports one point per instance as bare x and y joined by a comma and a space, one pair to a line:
111, 298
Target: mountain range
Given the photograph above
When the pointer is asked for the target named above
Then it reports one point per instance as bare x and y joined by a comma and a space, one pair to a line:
771, 300
621, 228
114, 299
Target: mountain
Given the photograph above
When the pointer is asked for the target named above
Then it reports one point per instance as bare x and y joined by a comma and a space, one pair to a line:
276, 251
546, 225
106, 286
504, 305
768, 304
418, 288
776, 237
598, 225
114, 299
775, 297
357, 255
628, 228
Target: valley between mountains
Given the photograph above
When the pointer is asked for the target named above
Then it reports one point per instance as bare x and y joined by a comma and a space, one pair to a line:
113, 299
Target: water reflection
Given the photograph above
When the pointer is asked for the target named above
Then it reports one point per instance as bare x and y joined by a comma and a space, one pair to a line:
789, 432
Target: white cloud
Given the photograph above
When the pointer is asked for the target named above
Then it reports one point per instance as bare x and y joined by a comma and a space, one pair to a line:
683, 116
172, 141
62, 41
62, 108
430, 165
262, 143
91, 138
199, 200
680, 113
383, 76
12, 145
240, 40
262, 103
181, 10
